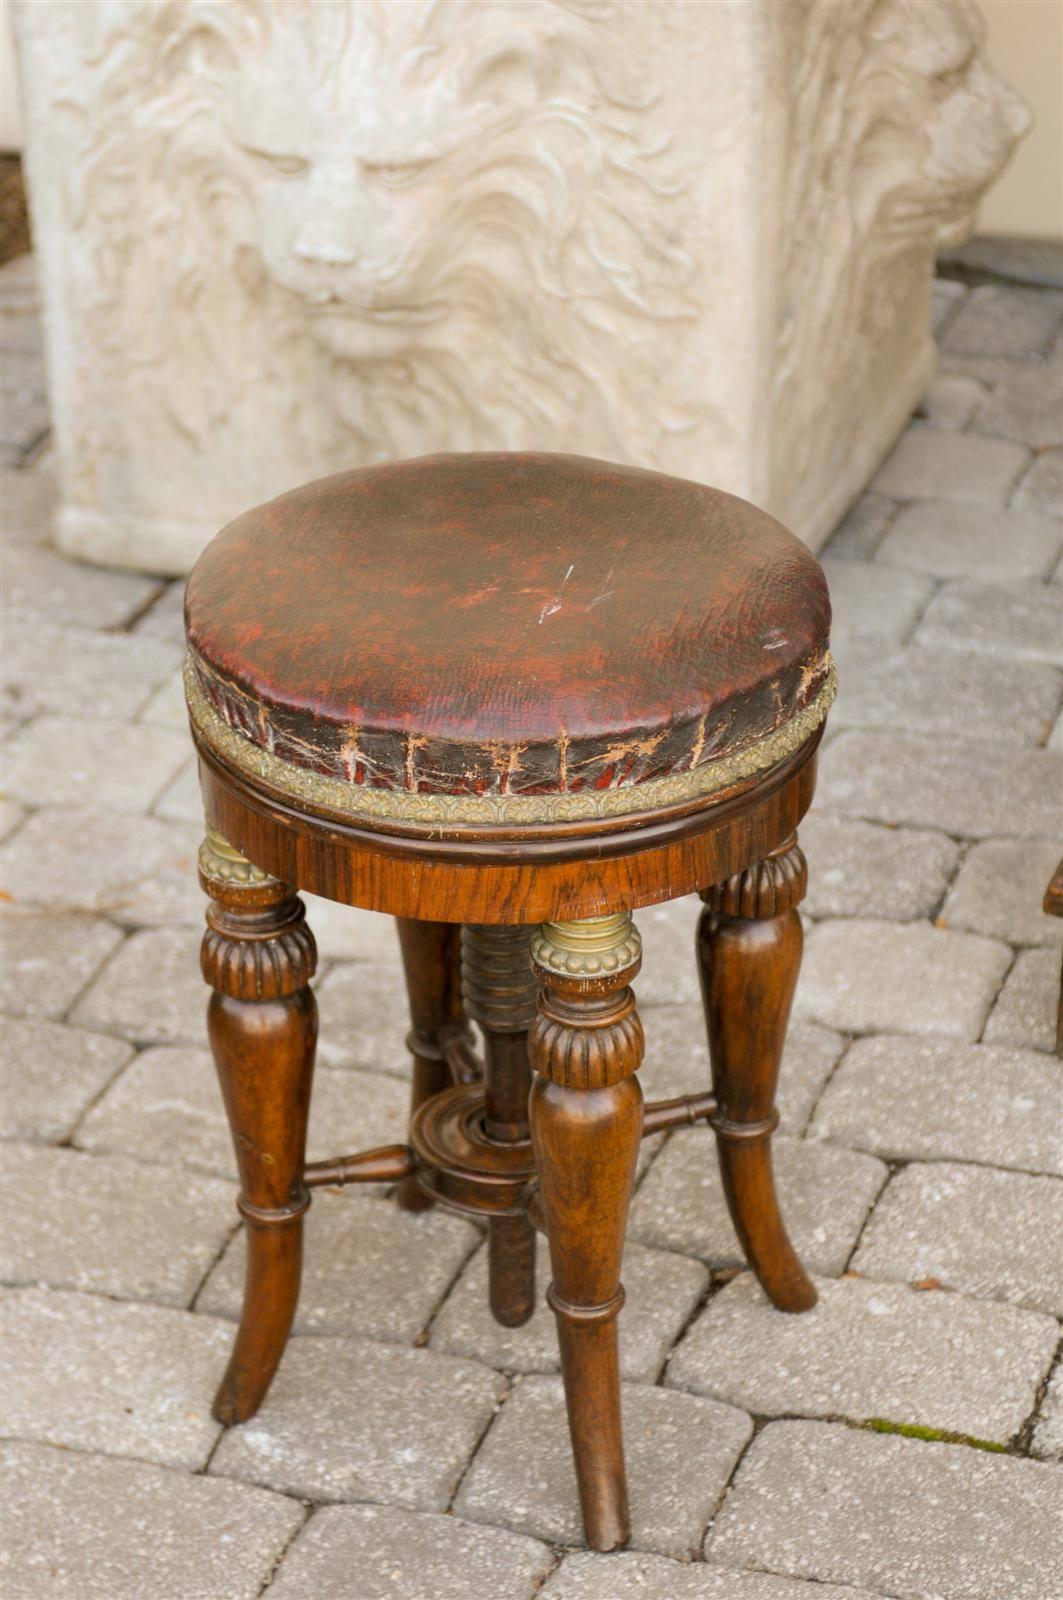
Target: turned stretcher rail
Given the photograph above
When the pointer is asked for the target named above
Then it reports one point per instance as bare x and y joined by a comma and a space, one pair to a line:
389, 1163
682, 1112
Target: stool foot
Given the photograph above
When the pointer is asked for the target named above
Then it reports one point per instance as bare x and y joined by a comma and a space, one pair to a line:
431, 958
258, 956
749, 956
271, 1294
586, 1121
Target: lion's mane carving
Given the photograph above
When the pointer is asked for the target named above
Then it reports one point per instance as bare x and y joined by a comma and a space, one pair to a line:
282, 237
372, 191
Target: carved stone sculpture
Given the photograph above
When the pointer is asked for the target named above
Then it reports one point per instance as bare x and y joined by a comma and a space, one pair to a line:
279, 239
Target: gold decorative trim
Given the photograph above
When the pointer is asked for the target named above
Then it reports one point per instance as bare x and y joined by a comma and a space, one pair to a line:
588, 948
432, 810
219, 861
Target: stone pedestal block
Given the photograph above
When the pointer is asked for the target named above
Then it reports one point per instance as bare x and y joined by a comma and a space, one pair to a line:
279, 239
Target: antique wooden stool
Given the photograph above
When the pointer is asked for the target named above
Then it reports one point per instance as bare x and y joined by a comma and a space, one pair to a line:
506, 699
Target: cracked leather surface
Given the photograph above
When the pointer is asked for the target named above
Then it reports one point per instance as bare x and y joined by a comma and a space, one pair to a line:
506, 624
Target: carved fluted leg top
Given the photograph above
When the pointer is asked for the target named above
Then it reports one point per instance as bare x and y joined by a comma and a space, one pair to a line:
257, 945
587, 1034
766, 888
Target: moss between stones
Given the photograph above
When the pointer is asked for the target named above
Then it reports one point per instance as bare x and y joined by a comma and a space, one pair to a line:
912, 1430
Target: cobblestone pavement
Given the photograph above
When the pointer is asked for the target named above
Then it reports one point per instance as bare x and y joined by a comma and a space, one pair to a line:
897, 1441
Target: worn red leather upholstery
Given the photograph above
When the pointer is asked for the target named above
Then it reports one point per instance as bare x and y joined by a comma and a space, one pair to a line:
506, 624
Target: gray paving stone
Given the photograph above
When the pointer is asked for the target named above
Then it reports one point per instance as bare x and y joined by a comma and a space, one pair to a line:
870, 976
68, 670
856, 867
680, 1205
151, 991
347, 933
19, 293
1022, 620
946, 298
669, 973
871, 1351
27, 501
677, 1054
1026, 1008
662, 1291
182, 799
934, 1099
20, 330
971, 541
167, 1107
136, 869
83, 1527
857, 535
1048, 1434
338, 1424
1041, 487
971, 1228
47, 958
25, 424
18, 284
1027, 406
963, 467
923, 690
903, 1516
627, 1576
870, 601
109, 1225
70, 761
809, 1055
680, 1454
164, 619
988, 369
51, 1074
1000, 889
399, 1555
115, 1376
1005, 320
954, 785
23, 371
1025, 261
951, 402
39, 583
677, 1061
368, 1269
166, 706
365, 1015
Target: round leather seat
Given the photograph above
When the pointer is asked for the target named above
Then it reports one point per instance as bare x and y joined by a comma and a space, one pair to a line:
505, 638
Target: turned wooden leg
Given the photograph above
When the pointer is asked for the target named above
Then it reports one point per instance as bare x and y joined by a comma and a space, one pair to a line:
749, 956
586, 1121
500, 992
258, 956
431, 957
